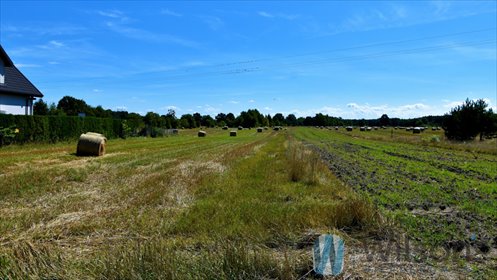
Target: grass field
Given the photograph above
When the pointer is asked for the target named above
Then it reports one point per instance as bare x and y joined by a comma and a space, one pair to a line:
442, 194
245, 207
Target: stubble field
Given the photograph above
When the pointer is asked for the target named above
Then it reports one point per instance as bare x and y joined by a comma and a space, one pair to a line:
245, 207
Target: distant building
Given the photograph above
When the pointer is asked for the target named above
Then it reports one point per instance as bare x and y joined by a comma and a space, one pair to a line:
17, 93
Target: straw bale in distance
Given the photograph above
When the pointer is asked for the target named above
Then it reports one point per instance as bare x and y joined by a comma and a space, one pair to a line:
233, 133
202, 133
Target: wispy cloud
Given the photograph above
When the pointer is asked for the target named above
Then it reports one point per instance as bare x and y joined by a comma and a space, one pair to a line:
168, 12
251, 101
265, 14
145, 35
53, 44
233, 102
396, 15
120, 23
278, 15
441, 7
24, 65
41, 29
112, 14
214, 23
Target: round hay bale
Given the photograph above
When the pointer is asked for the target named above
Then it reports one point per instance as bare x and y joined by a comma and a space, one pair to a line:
91, 145
362, 128
202, 133
233, 133
240, 127
259, 129
225, 127
349, 128
276, 128
97, 134
416, 130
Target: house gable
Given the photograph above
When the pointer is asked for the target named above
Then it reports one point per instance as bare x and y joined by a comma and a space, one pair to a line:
14, 82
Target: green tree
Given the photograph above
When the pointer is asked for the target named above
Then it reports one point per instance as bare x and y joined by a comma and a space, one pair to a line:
40, 108
278, 119
291, 120
72, 106
384, 120
466, 121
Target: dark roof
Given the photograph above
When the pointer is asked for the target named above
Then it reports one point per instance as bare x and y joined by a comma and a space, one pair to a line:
15, 82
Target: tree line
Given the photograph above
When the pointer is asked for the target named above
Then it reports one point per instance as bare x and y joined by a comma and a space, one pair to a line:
462, 123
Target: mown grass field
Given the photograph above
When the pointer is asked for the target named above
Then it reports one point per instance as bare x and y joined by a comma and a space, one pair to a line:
180, 207
245, 207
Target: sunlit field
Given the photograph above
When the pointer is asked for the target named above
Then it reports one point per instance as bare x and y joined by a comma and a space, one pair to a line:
245, 207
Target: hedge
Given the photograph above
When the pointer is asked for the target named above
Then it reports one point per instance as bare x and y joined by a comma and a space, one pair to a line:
59, 128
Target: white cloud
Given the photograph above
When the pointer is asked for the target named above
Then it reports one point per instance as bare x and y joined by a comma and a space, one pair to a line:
145, 35
115, 14
233, 102
211, 109
268, 108
265, 14
170, 13
251, 101
24, 65
358, 111
121, 108
213, 22
172, 107
278, 15
56, 44
97, 90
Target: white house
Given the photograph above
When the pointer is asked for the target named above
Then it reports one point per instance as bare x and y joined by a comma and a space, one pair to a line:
16, 91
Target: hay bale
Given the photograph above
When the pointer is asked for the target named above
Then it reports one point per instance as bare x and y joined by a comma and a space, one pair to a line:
362, 128
225, 127
349, 128
91, 145
97, 134
175, 131
276, 128
202, 133
240, 127
233, 133
259, 129
416, 130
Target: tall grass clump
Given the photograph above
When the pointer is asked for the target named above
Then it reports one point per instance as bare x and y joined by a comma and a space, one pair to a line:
304, 165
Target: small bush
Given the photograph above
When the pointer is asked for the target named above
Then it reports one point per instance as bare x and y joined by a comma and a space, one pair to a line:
435, 139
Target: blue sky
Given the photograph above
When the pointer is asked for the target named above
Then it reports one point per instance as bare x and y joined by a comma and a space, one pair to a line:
347, 59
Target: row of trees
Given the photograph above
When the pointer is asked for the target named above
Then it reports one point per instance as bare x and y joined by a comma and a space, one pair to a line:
463, 122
